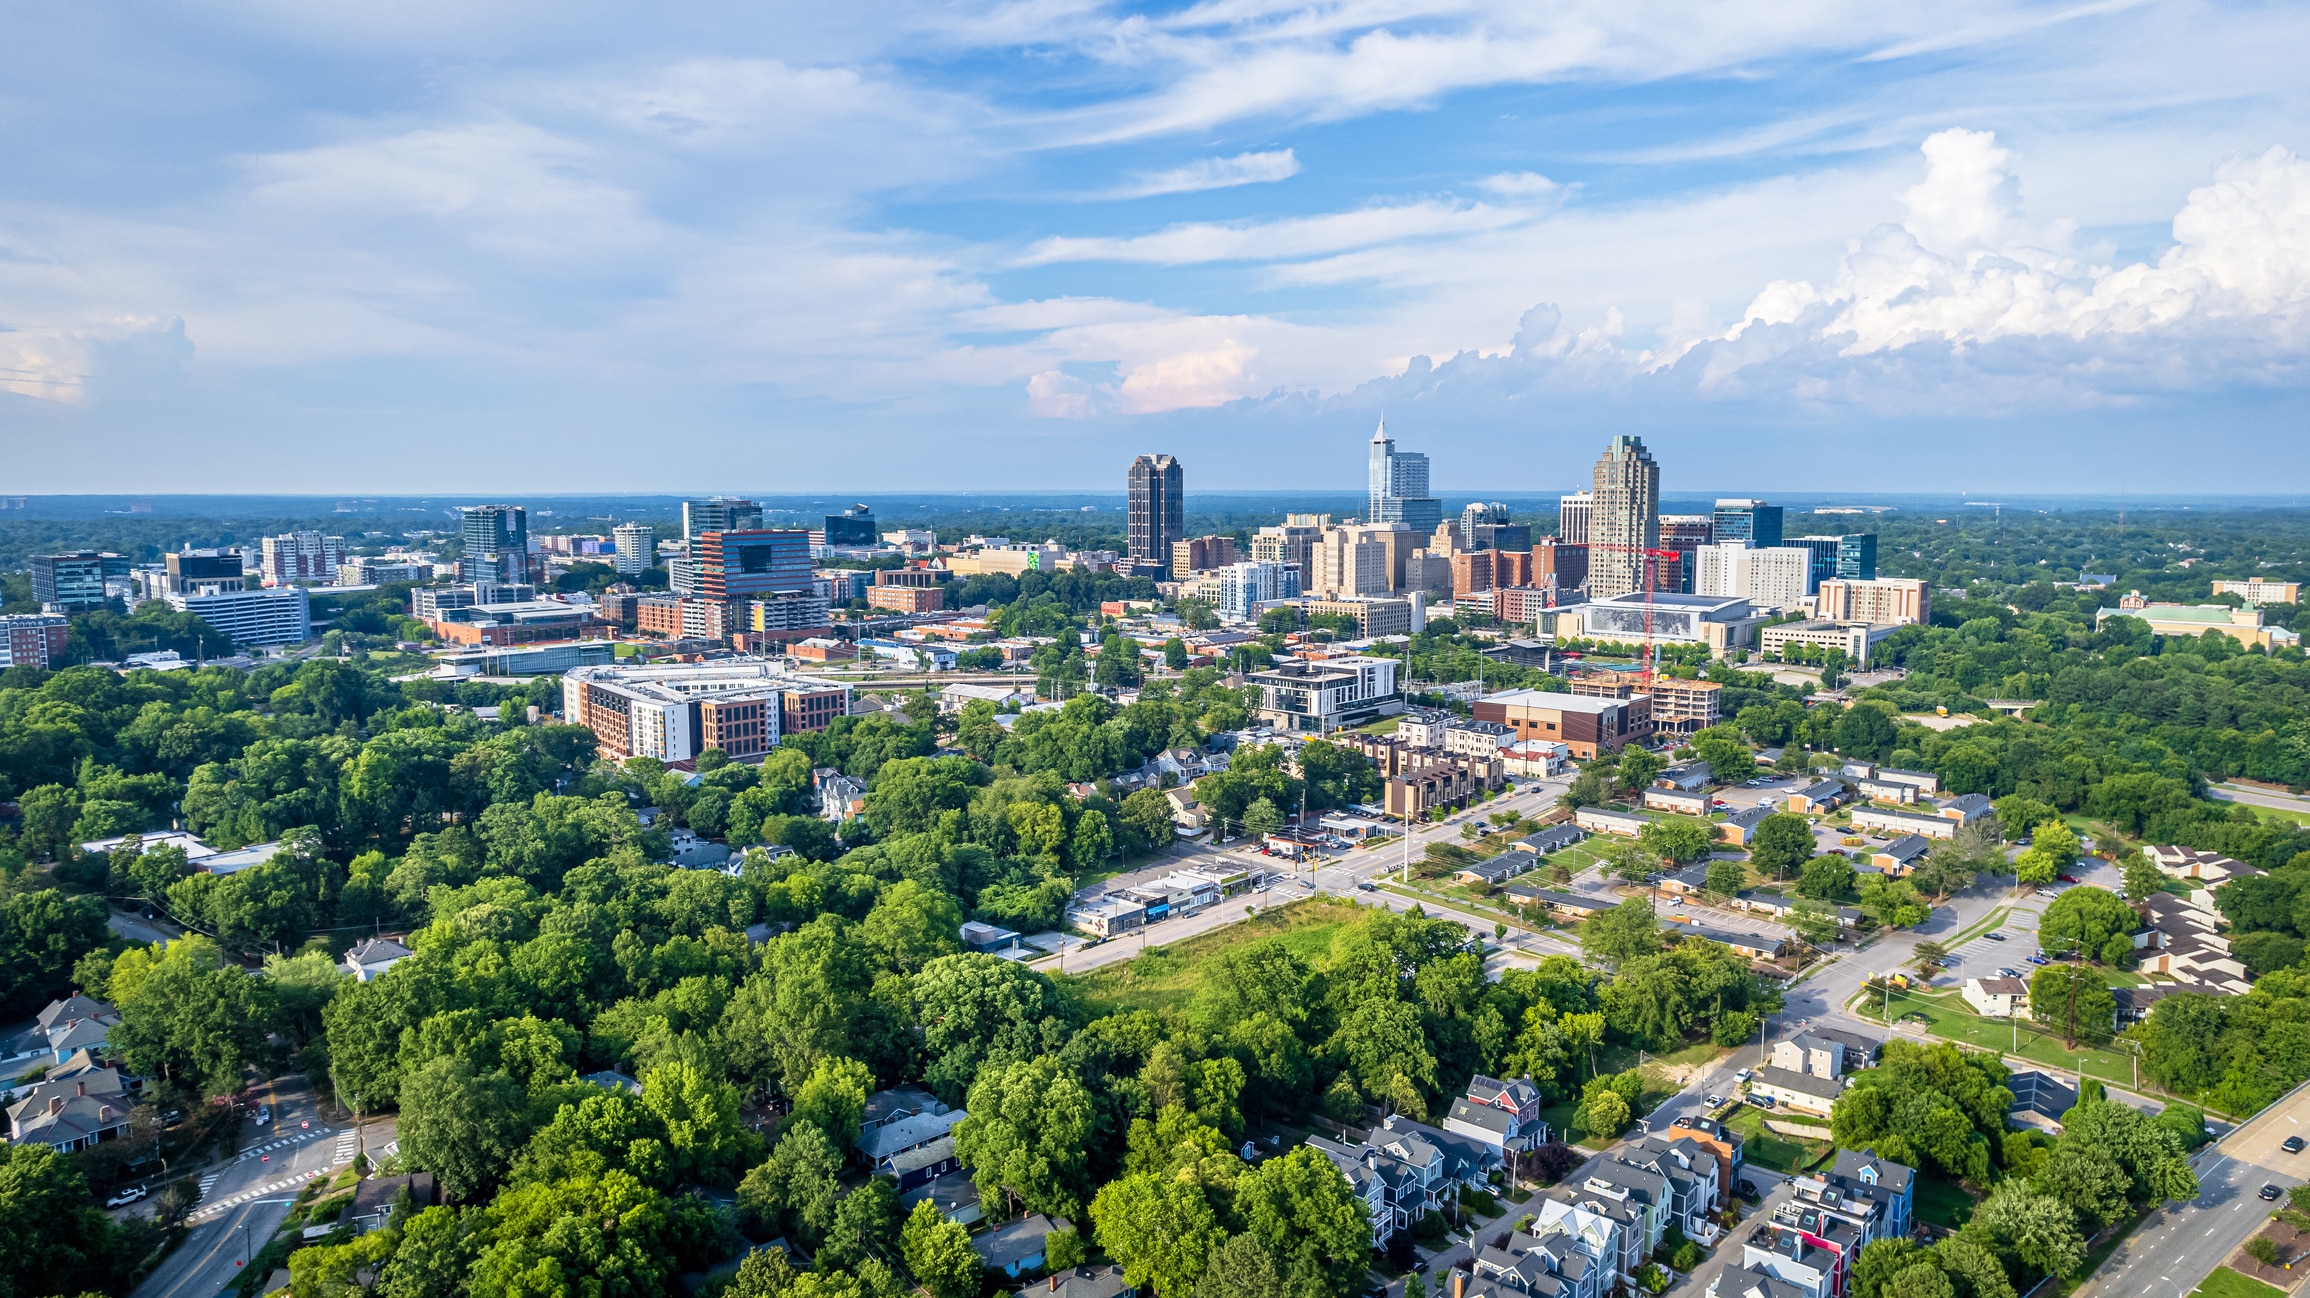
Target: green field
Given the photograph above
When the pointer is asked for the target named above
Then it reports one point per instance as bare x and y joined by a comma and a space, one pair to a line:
1762, 1147
1951, 1020
2225, 1283
1942, 1202
1166, 977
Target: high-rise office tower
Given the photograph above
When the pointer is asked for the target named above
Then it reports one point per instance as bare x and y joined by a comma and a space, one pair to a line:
719, 514
637, 548
496, 543
1479, 513
1157, 513
1572, 514
1399, 486
1626, 519
853, 526
1685, 534
302, 558
1850, 557
1752, 521
72, 583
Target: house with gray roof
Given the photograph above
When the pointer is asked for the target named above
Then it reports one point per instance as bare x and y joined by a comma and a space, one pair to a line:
1555, 838
954, 1195
1016, 1247
924, 1163
71, 1112
1819, 798
880, 1147
1082, 1282
1740, 826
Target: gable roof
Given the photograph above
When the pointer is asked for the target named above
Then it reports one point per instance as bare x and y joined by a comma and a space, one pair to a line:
376, 950
906, 1133
75, 1006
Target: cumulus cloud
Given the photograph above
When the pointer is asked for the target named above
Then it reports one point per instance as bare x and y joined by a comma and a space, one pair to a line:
1214, 173
1964, 268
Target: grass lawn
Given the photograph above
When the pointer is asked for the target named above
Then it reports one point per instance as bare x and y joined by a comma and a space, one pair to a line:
1383, 726
1942, 1202
1166, 977
2225, 1283
1950, 1020
1764, 1148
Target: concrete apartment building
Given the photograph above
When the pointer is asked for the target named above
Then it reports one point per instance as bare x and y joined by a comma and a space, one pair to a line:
1574, 513
1857, 639
2261, 590
1201, 554
1326, 695
675, 711
1885, 601
637, 548
33, 639
302, 558
1778, 577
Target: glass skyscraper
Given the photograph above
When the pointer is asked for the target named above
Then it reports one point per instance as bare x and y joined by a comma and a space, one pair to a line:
1399, 486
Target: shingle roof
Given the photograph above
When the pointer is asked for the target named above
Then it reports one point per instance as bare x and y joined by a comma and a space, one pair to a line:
906, 1133
1826, 1088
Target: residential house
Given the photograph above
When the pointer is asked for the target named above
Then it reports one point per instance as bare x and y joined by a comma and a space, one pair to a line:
1719, 1140
1830, 1216
1965, 808
369, 958
1465, 1159
1514, 1263
1689, 777
1924, 824
1808, 1071
1997, 998
902, 1128
1604, 1229
374, 1197
1876, 790
1677, 800
1788, 1261
1569, 905
2182, 941
1741, 826
75, 1023
1925, 782
840, 796
1499, 869
954, 1195
1555, 838
1082, 1282
1902, 856
1688, 1170
73, 1109
610, 1079
923, 1164
1016, 1247
1600, 820
2134, 1004
1756, 946
1536, 757
1395, 1193
1690, 880
1818, 798
1502, 1114
899, 1102
2040, 1100
2212, 869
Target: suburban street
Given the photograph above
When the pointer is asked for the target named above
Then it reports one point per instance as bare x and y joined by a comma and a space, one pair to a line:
2168, 1255
245, 1200
2275, 799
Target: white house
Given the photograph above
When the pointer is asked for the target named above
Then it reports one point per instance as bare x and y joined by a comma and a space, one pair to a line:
371, 957
1997, 998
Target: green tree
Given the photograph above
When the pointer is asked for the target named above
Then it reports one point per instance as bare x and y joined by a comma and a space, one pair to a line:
1146, 819
1303, 1209
939, 1253
1028, 1135
462, 1127
762, 1273
975, 1008
186, 1016
1175, 654
1243, 1267
2036, 1228
1261, 818
1781, 845
912, 925
865, 1224
1678, 838
2072, 998
795, 1192
1826, 878
1162, 1230
1621, 934
43, 934
2034, 867
1727, 877
60, 1240
699, 1114
834, 1098
1379, 1041
1602, 1112
2089, 922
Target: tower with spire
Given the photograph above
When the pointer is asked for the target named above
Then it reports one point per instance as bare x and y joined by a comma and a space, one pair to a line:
1399, 486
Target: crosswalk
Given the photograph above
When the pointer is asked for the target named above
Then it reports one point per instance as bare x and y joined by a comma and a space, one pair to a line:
339, 1155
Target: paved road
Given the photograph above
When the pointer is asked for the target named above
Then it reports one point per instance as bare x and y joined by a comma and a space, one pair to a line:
2168, 1255
2278, 799
136, 928
244, 1201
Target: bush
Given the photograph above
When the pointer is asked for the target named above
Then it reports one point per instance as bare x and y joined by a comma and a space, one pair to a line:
1685, 1257
2263, 1250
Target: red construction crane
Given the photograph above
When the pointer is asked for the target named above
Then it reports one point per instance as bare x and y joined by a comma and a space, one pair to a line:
1648, 579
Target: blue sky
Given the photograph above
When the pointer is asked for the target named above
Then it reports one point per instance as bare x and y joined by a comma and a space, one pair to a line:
422, 246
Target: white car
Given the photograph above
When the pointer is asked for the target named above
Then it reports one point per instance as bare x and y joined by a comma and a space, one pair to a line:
1743, 1075
126, 1197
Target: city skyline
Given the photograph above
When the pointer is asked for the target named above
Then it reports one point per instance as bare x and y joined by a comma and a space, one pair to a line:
941, 247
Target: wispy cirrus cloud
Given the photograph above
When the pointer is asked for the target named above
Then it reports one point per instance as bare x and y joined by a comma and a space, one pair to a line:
1212, 173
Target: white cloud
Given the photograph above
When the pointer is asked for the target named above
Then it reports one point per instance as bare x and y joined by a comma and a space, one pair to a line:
1520, 184
1308, 236
1214, 173
1962, 269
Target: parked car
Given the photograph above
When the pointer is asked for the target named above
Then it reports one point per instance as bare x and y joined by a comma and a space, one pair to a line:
1743, 1075
2008, 973
1994, 937
126, 1197
2067, 878
2038, 959
1715, 1101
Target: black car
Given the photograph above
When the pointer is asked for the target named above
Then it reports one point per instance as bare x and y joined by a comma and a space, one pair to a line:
2292, 1145
2270, 1192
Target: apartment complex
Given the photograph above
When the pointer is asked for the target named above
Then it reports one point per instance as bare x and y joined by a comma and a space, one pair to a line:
637, 548
496, 539
302, 558
1883, 601
673, 712
1776, 578
1587, 726
1201, 554
280, 616
1625, 520
2261, 590
1326, 695
33, 639
1157, 509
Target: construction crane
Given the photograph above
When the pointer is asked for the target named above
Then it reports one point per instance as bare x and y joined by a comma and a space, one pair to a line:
1648, 579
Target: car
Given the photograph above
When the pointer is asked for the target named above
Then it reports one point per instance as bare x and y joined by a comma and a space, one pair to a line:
1715, 1100
2038, 959
1994, 937
2022, 841
1761, 1101
1743, 1075
126, 1197
1747, 1189
2292, 1145
2067, 878
1420, 1267
2269, 1192
265, 1116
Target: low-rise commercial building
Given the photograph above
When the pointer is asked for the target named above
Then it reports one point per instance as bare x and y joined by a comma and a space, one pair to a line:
1330, 694
2190, 621
1587, 726
517, 622
1858, 640
33, 639
675, 711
